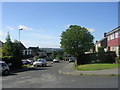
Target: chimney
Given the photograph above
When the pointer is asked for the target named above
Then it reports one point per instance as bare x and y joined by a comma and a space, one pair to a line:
105, 34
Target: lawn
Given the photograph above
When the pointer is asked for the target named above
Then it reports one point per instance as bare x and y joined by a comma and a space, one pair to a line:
90, 67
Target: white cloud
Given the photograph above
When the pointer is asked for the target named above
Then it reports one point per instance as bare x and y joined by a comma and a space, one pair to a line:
91, 30
9, 28
24, 27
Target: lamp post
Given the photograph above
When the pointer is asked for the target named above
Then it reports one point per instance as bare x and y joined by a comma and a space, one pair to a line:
19, 33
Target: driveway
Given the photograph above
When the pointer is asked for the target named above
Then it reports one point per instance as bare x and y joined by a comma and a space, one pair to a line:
49, 77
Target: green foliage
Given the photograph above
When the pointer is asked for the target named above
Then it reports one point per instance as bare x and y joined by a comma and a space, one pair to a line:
54, 54
15, 61
117, 60
37, 57
16, 49
66, 58
11, 52
76, 40
104, 57
7, 49
60, 54
0, 52
101, 49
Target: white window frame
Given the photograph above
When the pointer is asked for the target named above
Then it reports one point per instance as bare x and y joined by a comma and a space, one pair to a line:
116, 34
112, 36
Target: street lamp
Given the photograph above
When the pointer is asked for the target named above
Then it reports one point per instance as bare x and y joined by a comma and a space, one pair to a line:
19, 33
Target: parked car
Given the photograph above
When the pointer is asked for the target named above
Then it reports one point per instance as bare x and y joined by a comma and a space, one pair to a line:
25, 62
4, 68
40, 62
71, 59
56, 60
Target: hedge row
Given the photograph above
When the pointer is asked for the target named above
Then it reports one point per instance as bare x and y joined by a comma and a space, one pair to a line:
15, 62
103, 57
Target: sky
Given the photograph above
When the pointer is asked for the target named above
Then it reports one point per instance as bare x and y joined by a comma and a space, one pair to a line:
43, 22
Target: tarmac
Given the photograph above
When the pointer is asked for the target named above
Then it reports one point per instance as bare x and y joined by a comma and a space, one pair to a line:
70, 70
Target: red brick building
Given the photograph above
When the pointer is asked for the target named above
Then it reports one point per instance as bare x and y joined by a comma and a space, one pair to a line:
113, 40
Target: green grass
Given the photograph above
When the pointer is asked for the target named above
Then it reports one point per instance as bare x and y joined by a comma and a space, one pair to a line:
26, 65
90, 67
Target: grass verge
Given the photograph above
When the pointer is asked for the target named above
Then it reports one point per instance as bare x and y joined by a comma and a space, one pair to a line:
101, 66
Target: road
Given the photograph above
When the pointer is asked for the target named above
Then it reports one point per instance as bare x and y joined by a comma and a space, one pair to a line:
49, 77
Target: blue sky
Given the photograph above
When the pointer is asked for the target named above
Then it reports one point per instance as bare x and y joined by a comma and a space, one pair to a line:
43, 23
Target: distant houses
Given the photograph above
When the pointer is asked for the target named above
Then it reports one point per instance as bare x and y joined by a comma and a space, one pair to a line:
111, 41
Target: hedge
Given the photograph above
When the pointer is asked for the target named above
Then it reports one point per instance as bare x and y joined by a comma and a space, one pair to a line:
15, 61
101, 57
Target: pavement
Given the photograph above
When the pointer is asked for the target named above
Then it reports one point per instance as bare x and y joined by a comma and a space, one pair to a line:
49, 77
70, 70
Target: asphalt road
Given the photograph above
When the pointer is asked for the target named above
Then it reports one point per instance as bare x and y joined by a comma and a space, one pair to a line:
48, 77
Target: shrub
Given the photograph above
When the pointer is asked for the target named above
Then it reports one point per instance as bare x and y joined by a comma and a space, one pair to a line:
15, 61
101, 49
117, 60
66, 58
101, 57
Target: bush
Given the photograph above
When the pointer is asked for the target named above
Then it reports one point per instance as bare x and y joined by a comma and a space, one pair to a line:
37, 57
101, 57
15, 61
101, 49
117, 60
66, 58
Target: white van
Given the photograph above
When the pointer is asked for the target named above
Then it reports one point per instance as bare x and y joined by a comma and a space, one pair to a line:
4, 68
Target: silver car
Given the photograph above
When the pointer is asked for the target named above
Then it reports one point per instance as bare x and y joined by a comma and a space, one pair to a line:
4, 68
40, 62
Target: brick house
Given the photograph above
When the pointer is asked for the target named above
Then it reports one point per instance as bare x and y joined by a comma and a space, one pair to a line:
113, 40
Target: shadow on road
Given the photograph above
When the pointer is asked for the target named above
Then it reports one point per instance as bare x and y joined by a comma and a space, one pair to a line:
25, 69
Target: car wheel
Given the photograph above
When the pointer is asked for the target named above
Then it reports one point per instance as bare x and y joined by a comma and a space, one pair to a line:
6, 72
35, 65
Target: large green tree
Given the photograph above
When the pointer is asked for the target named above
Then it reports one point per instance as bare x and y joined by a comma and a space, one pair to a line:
11, 52
76, 40
7, 49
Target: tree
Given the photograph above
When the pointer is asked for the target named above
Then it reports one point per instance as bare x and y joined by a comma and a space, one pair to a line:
76, 40
11, 52
54, 54
17, 50
7, 48
60, 54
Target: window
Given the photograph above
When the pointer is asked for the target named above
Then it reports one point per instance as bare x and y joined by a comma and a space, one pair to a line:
112, 36
116, 35
108, 38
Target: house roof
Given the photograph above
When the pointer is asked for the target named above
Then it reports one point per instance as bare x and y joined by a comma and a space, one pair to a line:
101, 40
22, 46
114, 30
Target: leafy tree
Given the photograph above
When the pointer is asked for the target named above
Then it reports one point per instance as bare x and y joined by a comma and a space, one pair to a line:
76, 40
54, 54
11, 52
7, 48
17, 50
60, 54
